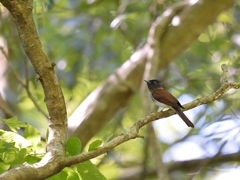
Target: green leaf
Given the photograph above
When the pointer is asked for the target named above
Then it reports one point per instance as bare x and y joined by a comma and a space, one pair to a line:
9, 137
60, 176
4, 167
30, 159
14, 157
13, 123
71, 174
20, 156
225, 17
9, 156
88, 171
109, 137
32, 135
73, 146
94, 145
4, 142
13, 148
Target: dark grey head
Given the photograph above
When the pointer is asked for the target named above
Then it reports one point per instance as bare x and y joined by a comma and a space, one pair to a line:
153, 84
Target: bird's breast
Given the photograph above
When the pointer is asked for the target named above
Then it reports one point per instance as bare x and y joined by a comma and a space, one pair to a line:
159, 103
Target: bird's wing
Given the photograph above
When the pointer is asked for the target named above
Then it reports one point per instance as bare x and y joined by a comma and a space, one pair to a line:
164, 97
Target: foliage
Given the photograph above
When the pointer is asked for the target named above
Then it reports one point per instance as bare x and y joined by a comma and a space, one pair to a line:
73, 146
16, 149
88, 40
82, 171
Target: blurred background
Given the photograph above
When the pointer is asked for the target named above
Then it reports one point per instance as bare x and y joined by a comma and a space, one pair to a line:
89, 40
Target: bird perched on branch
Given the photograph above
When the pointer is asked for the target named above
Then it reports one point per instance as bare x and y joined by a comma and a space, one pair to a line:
163, 98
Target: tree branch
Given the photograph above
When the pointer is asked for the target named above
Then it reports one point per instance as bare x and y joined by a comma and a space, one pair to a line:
133, 132
121, 86
151, 68
192, 21
188, 165
95, 112
21, 11
48, 168
26, 84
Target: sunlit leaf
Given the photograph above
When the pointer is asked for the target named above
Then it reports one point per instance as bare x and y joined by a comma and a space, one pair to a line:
73, 145
71, 174
13, 123
4, 167
60, 176
95, 144
9, 156
225, 17
88, 170
14, 138
32, 135
31, 159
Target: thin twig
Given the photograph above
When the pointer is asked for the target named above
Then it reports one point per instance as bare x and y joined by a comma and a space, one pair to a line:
133, 132
26, 84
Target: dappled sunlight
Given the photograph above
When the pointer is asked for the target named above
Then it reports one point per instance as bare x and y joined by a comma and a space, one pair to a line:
184, 151
85, 62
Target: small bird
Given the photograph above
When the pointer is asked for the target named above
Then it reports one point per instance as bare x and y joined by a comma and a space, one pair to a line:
163, 98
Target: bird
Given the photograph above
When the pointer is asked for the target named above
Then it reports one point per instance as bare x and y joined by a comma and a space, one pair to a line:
164, 99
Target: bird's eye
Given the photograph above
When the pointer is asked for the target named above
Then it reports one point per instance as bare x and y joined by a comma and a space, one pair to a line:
155, 82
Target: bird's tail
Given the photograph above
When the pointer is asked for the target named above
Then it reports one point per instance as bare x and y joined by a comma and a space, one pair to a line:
184, 117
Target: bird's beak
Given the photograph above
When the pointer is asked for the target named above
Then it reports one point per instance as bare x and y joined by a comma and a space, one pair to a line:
146, 81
